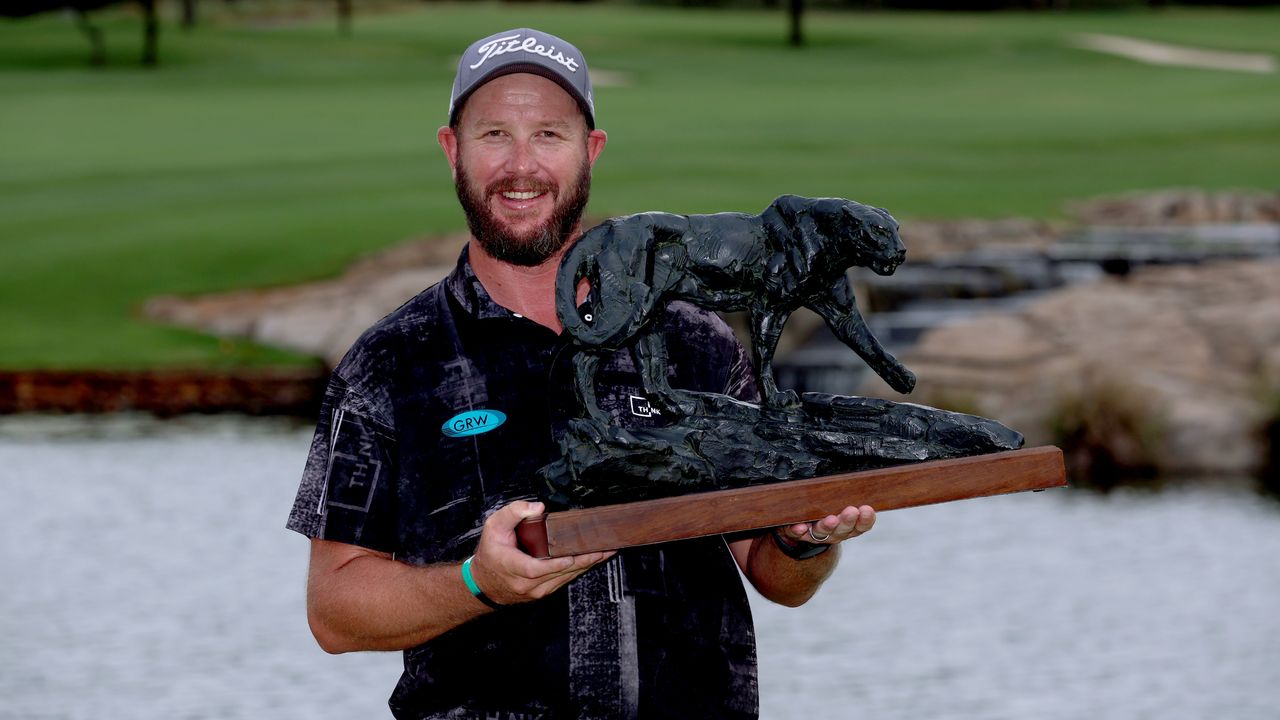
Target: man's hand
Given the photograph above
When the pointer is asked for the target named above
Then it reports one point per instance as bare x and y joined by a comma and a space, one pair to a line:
361, 599
789, 581
506, 574
833, 529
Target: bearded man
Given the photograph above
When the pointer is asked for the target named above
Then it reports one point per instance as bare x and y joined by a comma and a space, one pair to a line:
437, 419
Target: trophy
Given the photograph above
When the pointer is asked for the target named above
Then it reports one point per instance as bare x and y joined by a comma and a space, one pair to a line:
724, 465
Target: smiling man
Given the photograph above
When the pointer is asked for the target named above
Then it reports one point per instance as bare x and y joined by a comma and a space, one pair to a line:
438, 418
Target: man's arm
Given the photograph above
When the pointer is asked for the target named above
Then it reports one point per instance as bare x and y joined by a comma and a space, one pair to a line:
361, 599
792, 582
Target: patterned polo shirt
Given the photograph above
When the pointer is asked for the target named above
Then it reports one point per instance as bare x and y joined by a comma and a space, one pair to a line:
384, 473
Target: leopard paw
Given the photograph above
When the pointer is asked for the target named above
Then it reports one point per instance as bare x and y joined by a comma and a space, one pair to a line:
901, 379
783, 399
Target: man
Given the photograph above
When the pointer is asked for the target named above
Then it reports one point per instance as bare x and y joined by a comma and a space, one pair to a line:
412, 511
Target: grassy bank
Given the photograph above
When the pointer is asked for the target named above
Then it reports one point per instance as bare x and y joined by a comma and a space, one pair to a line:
263, 153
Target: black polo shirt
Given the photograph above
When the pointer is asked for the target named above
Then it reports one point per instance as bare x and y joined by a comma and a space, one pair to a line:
440, 414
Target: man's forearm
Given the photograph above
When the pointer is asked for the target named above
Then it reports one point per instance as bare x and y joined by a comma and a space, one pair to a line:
372, 602
360, 599
785, 580
793, 580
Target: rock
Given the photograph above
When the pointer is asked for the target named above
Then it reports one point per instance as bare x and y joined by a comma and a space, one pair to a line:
1178, 207
321, 318
726, 443
164, 393
1186, 350
933, 239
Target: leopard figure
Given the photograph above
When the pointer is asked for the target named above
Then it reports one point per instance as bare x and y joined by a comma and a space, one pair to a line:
795, 253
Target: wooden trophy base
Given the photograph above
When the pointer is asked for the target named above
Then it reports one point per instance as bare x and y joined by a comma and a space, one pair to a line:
611, 527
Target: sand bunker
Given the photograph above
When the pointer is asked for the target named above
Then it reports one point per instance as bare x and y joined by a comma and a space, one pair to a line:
1164, 54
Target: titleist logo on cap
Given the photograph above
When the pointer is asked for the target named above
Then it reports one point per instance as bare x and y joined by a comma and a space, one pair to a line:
512, 43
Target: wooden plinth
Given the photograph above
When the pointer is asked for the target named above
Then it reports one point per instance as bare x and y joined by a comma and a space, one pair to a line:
610, 527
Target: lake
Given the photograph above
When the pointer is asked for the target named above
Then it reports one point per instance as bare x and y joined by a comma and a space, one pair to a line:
147, 574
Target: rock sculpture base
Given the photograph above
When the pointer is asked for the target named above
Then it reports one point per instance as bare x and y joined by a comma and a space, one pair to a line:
730, 444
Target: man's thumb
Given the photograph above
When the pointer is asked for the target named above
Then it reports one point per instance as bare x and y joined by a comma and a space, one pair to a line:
510, 515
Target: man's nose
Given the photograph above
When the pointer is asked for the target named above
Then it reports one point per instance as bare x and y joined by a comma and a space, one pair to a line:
522, 160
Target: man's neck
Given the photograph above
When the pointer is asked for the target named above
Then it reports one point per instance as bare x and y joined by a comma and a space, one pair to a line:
526, 291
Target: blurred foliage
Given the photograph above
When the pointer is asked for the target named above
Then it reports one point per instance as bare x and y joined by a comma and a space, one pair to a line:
1270, 434
961, 6
267, 148
1110, 431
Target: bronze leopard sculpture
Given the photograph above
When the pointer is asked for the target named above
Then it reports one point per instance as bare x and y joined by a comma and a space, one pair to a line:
793, 254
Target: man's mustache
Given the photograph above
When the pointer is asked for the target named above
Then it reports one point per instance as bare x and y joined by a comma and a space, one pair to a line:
522, 185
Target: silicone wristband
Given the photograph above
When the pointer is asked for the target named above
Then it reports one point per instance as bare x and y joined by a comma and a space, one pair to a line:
473, 587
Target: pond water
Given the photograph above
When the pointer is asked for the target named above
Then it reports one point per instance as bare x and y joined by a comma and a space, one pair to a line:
147, 574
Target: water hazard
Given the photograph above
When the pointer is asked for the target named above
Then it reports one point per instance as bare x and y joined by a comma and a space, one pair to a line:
148, 575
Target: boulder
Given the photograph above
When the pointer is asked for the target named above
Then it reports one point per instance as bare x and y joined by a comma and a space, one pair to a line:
1178, 207
1190, 355
928, 240
321, 318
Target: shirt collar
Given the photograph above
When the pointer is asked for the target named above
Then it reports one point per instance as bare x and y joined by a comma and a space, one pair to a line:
470, 293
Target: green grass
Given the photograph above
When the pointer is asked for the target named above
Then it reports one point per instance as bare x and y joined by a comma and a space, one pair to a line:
261, 153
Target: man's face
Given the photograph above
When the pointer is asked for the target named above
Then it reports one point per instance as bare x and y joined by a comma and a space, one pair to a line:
524, 243
522, 157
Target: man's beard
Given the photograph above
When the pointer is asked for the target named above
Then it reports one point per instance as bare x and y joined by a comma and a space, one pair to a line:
536, 246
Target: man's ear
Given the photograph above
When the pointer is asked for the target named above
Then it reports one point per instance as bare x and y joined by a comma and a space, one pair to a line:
595, 144
448, 140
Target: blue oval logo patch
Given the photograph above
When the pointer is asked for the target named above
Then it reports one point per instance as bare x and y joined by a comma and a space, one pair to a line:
472, 422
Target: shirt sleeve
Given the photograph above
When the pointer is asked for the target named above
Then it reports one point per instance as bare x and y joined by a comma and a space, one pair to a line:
348, 488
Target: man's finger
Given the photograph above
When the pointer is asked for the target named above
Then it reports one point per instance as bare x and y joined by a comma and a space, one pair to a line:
523, 567
847, 522
851, 522
552, 567
559, 580
866, 519
509, 516
855, 521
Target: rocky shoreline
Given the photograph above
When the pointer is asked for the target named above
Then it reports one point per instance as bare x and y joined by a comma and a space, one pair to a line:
1167, 370
164, 393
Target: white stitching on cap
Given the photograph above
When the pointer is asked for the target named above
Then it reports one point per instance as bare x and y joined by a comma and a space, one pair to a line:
530, 45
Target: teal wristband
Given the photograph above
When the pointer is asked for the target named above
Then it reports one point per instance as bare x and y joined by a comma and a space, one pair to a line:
472, 586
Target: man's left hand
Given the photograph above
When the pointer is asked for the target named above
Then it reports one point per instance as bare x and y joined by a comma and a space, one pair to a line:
782, 577
832, 529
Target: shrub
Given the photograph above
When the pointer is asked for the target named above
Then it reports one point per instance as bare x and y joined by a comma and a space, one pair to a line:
1269, 477
1110, 431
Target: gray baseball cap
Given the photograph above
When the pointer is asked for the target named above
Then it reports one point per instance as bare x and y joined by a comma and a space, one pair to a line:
523, 50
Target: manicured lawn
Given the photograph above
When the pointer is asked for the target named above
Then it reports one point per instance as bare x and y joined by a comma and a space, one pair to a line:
264, 153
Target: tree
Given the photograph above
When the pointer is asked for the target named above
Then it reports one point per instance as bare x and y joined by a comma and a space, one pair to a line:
344, 17
795, 10
81, 9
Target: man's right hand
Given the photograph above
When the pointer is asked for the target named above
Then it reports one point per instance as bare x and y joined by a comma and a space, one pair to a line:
506, 574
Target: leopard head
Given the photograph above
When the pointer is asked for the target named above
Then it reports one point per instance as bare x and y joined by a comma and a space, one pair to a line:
868, 235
